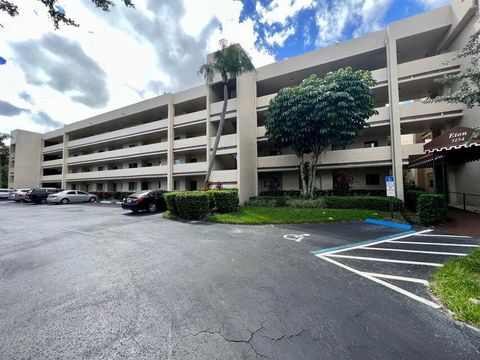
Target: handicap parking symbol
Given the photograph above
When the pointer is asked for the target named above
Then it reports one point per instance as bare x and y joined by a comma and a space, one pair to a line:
295, 237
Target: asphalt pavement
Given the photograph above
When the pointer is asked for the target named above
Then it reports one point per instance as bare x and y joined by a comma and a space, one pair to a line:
91, 281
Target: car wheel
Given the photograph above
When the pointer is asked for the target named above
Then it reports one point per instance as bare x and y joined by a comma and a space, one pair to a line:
43, 201
152, 208
135, 211
92, 199
65, 201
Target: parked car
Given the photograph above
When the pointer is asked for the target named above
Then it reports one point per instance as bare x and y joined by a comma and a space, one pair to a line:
5, 193
39, 196
71, 196
149, 200
19, 194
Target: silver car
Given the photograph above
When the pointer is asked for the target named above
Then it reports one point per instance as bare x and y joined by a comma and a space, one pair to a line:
19, 194
5, 193
71, 196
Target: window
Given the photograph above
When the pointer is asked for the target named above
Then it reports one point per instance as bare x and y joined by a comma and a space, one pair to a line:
114, 168
370, 144
144, 185
71, 193
149, 164
114, 187
337, 147
87, 187
101, 150
132, 145
74, 171
176, 185
194, 160
74, 186
193, 185
132, 165
176, 138
177, 161
100, 168
132, 186
372, 179
99, 186
81, 193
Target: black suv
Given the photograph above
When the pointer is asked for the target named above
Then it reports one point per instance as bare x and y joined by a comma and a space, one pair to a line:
39, 196
148, 200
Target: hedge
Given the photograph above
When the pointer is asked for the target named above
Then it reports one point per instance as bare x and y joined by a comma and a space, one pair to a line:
193, 205
411, 197
225, 201
431, 209
319, 193
380, 203
170, 200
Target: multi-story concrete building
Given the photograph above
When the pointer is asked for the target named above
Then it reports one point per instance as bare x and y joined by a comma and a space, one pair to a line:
164, 142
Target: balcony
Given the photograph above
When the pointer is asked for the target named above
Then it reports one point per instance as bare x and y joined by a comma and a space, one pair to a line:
216, 109
190, 118
143, 172
53, 148
226, 141
412, 149
428, 67
381, 77
226, 176
190, 143
52, 163
137, 151
51, 178
120, 134
379, 156
184, 169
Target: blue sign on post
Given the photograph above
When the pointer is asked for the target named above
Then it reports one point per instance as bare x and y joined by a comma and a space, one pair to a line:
390, 182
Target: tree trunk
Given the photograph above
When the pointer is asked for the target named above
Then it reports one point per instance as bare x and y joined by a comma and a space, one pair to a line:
219, 131
313, 173
302, 176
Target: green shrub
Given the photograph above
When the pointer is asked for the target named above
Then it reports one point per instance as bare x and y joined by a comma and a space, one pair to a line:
431, 209
380, 203
269, 201
193, 205
225, 201
170, 200
305, 203
411, 197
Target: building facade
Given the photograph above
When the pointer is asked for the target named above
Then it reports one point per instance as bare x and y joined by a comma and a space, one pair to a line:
165, 142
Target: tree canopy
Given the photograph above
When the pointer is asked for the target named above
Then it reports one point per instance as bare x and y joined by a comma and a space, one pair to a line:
56, 12
4, 158
321, 111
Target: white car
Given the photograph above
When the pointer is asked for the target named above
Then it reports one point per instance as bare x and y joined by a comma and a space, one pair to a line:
5, 193
71, 196
19, 194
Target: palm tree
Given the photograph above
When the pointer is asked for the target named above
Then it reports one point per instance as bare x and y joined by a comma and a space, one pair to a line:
229, 62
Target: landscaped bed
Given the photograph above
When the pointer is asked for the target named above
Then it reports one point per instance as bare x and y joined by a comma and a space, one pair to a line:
257, 215
457, 284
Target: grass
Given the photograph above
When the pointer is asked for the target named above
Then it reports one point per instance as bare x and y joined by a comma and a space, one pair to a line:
258, 215
457, 284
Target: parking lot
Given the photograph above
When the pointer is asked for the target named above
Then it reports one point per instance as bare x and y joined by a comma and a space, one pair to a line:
91, 281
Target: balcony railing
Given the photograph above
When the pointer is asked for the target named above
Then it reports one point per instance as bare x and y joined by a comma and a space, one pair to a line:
150, 171
229, 176
53, 148
193, 117
225, 141
193, 142
125, 133
51, 178
137, 151
190, 168
52, 163
427, 67
216, 109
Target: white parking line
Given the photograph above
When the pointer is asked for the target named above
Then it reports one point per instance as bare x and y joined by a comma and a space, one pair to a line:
385, 260
384, 283
414, 251
448, 236
395, 277
430, 243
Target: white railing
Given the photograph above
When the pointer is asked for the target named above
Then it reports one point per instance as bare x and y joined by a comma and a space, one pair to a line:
150, 171
224, 176
53, 148
51, 163
190, 142
190, 117
190, 168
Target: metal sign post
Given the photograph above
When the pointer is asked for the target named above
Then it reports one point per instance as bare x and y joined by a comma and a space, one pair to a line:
390, 183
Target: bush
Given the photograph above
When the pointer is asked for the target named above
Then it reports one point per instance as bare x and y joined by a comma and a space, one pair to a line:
380, 203
305, 203
411, 197
193, 205
170, 201
318, 193
269, 201
431, 209
225, 201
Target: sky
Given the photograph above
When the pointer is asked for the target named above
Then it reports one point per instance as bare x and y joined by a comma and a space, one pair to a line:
50, 77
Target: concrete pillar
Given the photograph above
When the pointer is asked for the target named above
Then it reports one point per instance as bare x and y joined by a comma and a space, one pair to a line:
65, 157
170, 157
394, 100
247, 136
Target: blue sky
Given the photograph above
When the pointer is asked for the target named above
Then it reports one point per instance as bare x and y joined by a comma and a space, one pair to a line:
54, 77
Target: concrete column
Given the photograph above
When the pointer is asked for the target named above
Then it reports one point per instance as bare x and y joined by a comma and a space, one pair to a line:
65, 157
208, 126
394, 100
247, 136
170, 157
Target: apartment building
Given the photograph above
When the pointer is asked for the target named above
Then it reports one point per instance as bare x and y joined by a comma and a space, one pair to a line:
165, 142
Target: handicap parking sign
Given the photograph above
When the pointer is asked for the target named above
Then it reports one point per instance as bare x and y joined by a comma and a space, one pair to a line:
390, 183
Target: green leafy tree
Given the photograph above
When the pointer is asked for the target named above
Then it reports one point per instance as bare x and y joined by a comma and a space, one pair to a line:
4, 158
228, 62
319, 112
56, 12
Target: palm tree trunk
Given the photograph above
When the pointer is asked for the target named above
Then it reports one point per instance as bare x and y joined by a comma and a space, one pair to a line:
219, 132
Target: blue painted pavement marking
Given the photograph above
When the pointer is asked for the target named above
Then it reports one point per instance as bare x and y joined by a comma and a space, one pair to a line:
389, 223
347, 246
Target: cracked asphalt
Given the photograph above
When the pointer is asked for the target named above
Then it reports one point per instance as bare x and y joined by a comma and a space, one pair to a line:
91, 282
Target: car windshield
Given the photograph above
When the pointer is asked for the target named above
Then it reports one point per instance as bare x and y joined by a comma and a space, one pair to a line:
140, 194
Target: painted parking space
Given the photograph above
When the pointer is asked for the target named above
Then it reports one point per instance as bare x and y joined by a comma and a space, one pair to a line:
402, 262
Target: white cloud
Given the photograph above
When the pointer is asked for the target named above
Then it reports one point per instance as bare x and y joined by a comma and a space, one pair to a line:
431, 4
278, 11
279, 38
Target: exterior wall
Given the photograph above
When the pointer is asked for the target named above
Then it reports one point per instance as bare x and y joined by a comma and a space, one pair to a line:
174, 132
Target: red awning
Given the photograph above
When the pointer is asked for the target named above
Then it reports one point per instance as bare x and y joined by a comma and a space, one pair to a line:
453, 139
